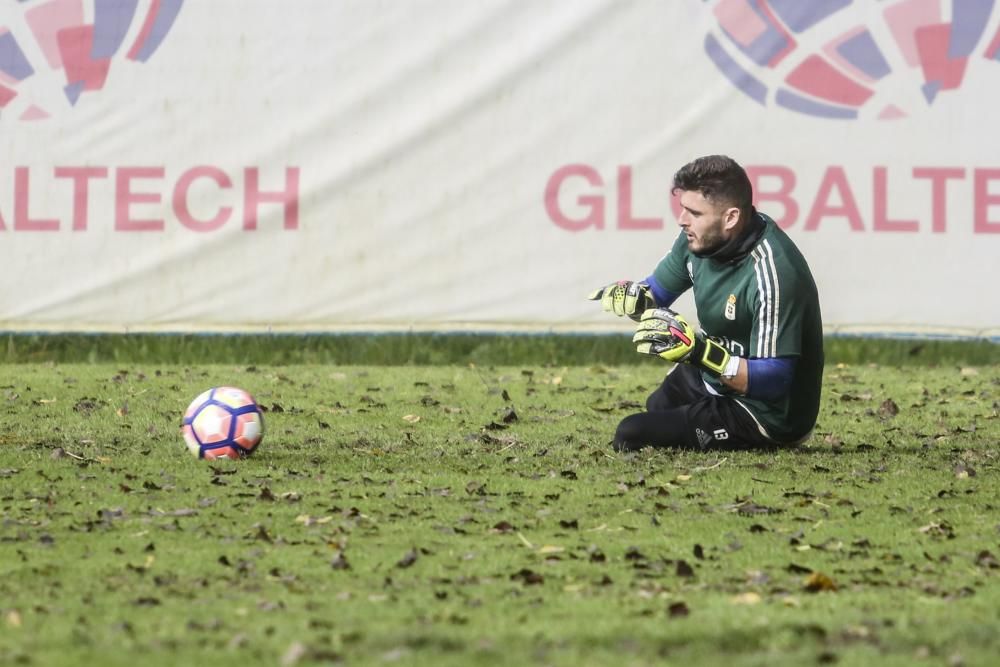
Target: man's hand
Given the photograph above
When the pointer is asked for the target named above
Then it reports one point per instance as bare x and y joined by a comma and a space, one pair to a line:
664, 333
625, 298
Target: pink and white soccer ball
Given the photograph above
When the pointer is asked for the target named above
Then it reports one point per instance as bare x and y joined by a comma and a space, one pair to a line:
223, 422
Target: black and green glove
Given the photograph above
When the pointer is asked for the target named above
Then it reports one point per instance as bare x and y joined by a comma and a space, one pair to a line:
664, 333
625, 297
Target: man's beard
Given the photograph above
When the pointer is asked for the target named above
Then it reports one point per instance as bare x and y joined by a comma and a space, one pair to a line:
715, 247
709, 245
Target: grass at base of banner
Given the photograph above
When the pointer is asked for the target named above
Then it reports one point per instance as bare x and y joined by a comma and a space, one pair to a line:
433, 349
458, 515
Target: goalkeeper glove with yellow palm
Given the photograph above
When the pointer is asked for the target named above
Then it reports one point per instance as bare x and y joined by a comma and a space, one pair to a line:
665, 334
625, 298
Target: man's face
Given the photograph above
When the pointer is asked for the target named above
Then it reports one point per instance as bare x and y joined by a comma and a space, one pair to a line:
706, 225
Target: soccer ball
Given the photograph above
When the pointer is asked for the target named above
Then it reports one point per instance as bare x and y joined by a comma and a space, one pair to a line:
223, 422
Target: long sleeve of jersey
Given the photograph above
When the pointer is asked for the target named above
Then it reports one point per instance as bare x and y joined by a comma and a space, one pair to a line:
769, 379
664, 297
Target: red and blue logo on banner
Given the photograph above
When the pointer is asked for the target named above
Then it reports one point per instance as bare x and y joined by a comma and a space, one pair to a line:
80, 41
816, 58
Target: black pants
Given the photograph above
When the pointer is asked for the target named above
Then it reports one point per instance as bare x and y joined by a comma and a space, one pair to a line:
682, 413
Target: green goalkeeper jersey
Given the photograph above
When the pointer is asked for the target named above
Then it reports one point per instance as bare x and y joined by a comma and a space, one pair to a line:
760, 304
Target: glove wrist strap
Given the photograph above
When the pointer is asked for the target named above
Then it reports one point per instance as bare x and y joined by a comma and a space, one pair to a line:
712, 357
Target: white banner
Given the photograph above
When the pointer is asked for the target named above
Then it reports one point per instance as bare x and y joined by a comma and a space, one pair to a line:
336, 165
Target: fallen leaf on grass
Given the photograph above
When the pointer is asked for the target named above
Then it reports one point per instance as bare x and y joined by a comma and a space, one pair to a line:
888, 409
857, 633
395, 655
621, 405
747, 598
678, 610
503, 527
684, 569
942, 529
408, 559
308, 520
596, 555
527, 577
59, 453
339, 562
412, 419
964, 471
633, 553
294, 654
818, 582
86, 405
747, 507
987, 560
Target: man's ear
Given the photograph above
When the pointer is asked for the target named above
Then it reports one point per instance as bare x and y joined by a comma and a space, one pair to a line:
731, 217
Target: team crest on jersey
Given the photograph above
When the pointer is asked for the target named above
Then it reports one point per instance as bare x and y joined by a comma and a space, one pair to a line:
731, 307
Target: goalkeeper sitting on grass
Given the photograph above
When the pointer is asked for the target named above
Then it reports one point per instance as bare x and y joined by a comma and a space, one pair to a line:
751, 378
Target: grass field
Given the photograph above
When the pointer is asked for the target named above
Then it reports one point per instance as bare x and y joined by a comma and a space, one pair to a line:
382, 349
465, 514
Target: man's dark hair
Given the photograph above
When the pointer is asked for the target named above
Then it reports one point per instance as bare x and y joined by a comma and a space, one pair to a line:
720, 179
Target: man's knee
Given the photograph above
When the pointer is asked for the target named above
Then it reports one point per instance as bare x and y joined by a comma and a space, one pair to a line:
658, 429
657, 401
629, 434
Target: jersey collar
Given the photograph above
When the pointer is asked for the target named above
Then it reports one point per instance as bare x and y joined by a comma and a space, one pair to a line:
740, 246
